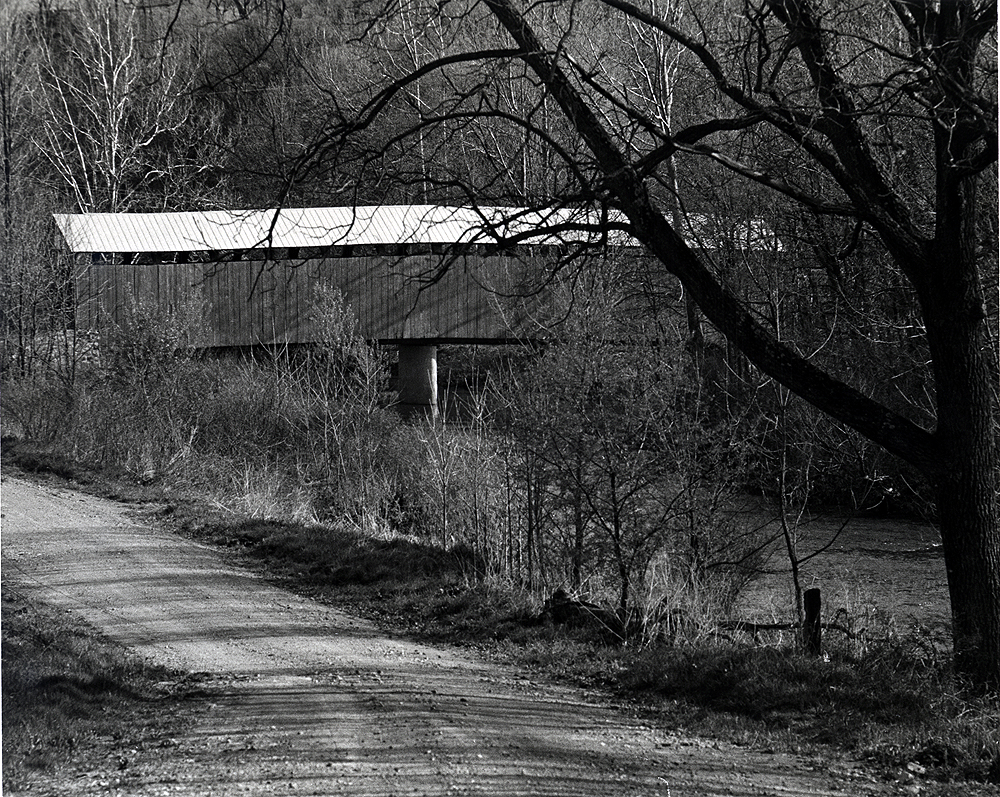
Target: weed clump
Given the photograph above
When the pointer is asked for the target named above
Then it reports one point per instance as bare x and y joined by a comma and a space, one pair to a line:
459, 532
888, 702
65, 688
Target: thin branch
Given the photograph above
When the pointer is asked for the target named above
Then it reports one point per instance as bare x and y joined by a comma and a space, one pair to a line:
776, 183
897, 434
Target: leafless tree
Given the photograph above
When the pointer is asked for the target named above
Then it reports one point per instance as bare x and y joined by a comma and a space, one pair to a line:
113, 109
33, 283
879, 117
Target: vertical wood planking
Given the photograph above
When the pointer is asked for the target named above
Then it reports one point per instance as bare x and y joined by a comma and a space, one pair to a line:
109, 294
262, 291
295, 313
309, 274
199, 274
140, 294
237, 309
248, 302
469, 288
110, 307
381, 282
276, 315
160, 297
241, 322
272, 303
125, 292
268, 289
252, 298
197, 282
289, 277
86, 299
219, 285
238, 314
216, 286
262, 295
225, 285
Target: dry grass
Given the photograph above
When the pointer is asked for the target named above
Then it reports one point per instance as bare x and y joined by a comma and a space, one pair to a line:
264, 464
886, 695
890, 698
69, 694
880, 705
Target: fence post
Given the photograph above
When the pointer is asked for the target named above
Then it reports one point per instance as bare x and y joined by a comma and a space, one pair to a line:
811, 631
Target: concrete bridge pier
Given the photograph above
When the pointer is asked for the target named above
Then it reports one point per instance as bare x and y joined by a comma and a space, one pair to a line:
417, 384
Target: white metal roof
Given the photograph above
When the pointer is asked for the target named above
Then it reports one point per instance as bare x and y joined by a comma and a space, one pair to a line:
353, 226
290, 227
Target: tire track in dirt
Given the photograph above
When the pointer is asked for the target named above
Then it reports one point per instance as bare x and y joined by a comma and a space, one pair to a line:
299, 698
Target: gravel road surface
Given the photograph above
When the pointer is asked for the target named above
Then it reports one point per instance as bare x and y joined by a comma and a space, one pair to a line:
301, 699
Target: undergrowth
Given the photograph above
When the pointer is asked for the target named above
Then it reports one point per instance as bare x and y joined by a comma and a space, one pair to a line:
300, 467
890, 700
67, 691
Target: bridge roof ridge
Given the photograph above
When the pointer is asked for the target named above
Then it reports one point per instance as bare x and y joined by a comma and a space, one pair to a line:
378, 225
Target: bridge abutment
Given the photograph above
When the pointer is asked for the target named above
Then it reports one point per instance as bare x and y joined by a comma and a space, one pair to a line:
418, 393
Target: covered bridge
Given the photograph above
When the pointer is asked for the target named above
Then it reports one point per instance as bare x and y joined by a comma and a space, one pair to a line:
257, 275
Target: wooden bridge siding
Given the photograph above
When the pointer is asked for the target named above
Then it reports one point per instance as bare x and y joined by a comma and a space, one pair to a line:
86, 300
251, 302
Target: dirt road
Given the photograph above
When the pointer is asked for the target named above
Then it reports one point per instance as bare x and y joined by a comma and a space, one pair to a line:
302, 699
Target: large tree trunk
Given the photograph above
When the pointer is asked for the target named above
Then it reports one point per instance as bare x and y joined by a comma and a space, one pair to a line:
951, 295
966, 478
960, 457
967, 502
968, 518
967, 491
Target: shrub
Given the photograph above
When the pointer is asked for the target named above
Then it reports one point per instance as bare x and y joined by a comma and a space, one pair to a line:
37, 406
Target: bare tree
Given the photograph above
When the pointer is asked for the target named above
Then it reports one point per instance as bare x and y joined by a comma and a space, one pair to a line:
35, 304
113, 109
631, 468
882, 116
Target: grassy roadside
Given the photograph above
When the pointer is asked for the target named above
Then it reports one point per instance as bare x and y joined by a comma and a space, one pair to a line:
894, 704
73, 701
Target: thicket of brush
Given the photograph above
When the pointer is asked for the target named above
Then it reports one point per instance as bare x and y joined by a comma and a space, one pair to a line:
612, 465
595, 466
589, 468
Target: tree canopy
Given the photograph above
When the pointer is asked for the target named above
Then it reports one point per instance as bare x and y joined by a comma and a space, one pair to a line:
871, 123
